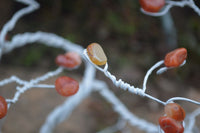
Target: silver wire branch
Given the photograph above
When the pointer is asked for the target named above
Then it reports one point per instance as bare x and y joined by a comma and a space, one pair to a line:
149, 72
13, 79
118, 83
192, 120
125, 86
63, 111
122, 110
31, 84
182, 99
164, 69
32, 6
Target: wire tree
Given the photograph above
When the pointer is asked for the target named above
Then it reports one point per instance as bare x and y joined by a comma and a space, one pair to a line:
94, 58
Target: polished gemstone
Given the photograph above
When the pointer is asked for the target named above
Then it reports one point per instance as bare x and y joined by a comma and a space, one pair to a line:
152, 5
66, 86
3, 107
69, 60
169, 125
176, 57
96, 54
175, 111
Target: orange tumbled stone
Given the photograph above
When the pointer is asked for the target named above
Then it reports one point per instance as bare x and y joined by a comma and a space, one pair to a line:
175, 111
69, 60
152, 5
176, 57
3, 107
169, 125
96, 54
66, 86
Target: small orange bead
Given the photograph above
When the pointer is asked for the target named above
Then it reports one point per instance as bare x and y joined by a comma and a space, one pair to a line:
66, 86
96, 54
69, 60
169, 125
152, 5
175, 111
3, 107
176, 57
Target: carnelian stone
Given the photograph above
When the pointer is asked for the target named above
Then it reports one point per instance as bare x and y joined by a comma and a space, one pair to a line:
69, 60
176, 57
175, 111
96, 54
152, 5
3, 107
169, 125
66, 86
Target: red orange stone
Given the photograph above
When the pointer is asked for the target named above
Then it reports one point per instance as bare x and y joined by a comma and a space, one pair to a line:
96, 54
169, 125
3, 107
152, 5
175, 111
66, 86
176, 57
69, 60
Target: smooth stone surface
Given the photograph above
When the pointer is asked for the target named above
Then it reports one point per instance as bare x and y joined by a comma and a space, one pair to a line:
96, 54
176, 57
175, 111
3, 107
69, 60
169, 125
152, 5
66, 86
